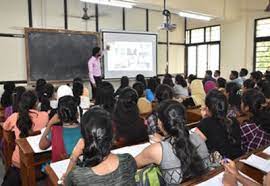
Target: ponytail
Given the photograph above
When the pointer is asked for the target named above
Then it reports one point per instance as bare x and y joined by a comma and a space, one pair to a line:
24, 122
256, 102
217, 104
45, 96
172, 115
97, 133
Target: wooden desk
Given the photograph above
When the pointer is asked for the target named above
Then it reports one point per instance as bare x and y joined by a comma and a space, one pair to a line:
53, 179
194, 115
8, 147
253, 173
29, 161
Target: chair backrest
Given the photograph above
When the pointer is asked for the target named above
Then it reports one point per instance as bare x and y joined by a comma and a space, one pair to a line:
8, 145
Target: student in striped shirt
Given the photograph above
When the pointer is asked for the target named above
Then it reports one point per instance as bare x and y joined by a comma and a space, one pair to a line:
255, 132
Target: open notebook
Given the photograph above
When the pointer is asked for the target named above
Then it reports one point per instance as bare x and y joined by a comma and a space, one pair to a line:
217, 180
34, 142
257, 162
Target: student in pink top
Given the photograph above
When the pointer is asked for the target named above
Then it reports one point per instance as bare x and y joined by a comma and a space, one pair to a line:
24, 122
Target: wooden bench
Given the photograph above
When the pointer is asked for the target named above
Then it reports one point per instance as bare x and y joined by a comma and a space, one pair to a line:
253, 173
29, 161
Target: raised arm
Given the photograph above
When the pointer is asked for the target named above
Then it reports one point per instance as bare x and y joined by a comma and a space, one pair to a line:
152, 154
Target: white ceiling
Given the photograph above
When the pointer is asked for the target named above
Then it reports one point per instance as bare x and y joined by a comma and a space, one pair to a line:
218, 8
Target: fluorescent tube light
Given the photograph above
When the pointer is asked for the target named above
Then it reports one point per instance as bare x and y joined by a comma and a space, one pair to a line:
194, 15
117, 3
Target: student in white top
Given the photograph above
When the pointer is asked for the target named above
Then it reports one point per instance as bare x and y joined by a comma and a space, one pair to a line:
180, 87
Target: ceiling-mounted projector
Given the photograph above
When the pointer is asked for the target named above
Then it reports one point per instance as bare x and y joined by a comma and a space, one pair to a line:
167, 24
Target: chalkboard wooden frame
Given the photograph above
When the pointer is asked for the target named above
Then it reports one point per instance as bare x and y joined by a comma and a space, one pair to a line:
31, 30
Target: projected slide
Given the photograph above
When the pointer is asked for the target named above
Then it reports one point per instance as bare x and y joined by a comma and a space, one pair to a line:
129, 54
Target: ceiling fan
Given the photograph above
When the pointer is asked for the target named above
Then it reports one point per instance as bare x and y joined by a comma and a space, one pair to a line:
85, 15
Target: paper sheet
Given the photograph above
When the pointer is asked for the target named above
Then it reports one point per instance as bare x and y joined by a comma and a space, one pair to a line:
267, 150
132, 150
257, 162
217, 180
34, 142
60, 167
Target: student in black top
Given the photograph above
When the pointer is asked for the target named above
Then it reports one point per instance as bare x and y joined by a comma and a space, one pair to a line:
128, 126
220, 133
124, 82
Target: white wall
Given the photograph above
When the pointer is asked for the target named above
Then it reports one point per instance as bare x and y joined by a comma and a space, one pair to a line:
237, 33
50, 14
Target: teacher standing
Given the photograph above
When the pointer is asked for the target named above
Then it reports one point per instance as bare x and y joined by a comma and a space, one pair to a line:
94, 68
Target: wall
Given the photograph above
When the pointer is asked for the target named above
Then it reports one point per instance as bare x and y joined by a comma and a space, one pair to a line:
50, 14
237, 33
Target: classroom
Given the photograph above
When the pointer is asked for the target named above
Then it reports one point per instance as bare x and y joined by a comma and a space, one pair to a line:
134, 92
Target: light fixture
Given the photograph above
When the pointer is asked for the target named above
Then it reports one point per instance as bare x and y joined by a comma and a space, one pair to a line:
118, 3
194, 15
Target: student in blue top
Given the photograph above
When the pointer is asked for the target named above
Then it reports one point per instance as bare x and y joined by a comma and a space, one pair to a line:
151, 88
63, 130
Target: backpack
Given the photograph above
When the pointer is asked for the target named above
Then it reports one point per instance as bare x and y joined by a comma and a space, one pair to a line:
149, 176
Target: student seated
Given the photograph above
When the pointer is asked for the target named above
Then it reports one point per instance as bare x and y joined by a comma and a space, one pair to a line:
209, 85
164, 92
17, 95
6, 99
85, 90
256, 77
197, 92
248, 84
234, 77
99, 166
243, 75
168, 80
232, 176
208, 77
255, 132
124, 82
47, 100
217, 74
83, 101
221, 134
24, 123
40, 83
105, 96
221, 84
180, 155
180, 87
63, 135
128, 126
234, 99
143, 104
141, 78
151, 88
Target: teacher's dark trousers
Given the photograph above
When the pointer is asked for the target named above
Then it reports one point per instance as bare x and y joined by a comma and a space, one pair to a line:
98, 81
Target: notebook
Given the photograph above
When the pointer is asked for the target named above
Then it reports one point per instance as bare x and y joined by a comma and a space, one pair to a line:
257, 162
217, 180
34, 142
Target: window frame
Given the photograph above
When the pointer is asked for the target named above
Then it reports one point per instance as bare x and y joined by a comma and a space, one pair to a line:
207, 43
257, 40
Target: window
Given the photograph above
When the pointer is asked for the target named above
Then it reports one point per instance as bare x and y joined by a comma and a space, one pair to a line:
262, 44
203, 47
